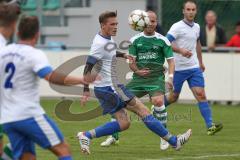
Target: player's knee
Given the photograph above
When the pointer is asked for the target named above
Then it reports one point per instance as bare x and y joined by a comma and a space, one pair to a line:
27, 156
201, 95
61, 149
124, 125
157, 102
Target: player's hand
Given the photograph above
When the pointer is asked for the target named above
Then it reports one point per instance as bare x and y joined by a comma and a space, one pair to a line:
170, 82
143, 72
202, 67
185, 53
130, 58
85, 98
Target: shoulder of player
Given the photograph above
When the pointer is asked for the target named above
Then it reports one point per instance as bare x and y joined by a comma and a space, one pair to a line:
34, 52
177, 24
99, 42
197, 25
136, 37
163, 38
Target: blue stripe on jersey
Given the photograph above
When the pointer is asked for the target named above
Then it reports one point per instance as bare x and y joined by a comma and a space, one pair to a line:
92, 60
170, 37
106, 37
44, 71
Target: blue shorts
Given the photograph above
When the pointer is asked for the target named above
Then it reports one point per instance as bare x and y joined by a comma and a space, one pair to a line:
193, 76
113, 99
25, 133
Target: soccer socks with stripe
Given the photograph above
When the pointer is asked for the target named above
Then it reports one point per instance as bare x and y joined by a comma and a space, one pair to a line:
115, 135
161, 114
155, 126
65, 158
206, 112
104, 130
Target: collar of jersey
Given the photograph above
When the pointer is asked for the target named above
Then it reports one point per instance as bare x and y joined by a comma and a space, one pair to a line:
190, 25
149, 36
105, 37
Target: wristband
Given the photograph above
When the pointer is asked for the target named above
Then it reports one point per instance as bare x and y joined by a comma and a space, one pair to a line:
170, 75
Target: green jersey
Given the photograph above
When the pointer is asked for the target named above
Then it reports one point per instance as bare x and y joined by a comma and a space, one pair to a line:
150, 52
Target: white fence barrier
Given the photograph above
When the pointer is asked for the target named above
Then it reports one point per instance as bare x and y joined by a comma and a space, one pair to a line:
222, 75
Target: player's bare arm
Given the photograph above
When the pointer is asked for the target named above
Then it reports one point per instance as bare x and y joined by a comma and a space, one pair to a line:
171, 68
199, 55
61, 79
125, 55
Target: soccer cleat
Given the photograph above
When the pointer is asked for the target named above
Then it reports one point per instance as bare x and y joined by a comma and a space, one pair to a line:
214, 129
163, 144
84, 142
182, 139
109, 141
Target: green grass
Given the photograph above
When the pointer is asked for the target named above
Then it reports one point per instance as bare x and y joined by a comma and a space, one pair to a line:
139, 143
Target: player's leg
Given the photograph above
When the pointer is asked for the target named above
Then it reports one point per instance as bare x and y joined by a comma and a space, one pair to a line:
22, 147
108, 128
50, 137
7, 152
61, 150
138, 91
112, 139
112, 103
196, 83
159, 111
28, 156
136, 106
43, 131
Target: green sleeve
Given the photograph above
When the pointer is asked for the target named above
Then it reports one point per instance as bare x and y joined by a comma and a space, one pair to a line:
167, 51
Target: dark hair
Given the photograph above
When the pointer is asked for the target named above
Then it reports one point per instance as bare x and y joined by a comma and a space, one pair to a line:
28, 27
190, 1
105, 15
8, 14
238, 23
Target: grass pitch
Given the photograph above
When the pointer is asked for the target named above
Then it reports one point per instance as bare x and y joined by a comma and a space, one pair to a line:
138, 143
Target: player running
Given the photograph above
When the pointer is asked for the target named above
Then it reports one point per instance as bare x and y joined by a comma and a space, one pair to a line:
184, 36
113, 97
8, 18
23, 118
150, 50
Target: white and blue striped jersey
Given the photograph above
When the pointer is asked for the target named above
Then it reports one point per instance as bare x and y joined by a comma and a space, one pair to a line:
185, 36
20, 68
104, 50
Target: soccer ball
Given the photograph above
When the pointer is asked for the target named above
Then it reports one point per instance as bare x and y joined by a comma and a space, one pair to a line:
138, 20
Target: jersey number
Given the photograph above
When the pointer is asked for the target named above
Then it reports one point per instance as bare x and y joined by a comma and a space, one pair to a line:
10, 68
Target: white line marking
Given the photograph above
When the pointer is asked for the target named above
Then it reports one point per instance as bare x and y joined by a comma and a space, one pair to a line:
198, 157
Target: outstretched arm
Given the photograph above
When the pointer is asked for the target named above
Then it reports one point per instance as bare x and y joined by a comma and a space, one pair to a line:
61, 79
199, 55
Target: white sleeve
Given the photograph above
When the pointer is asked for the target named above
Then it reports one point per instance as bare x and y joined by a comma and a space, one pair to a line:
198, 31
97, 50
40, 61
174, 31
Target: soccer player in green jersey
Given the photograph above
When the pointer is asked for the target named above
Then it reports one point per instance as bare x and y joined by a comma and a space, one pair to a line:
150, 50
